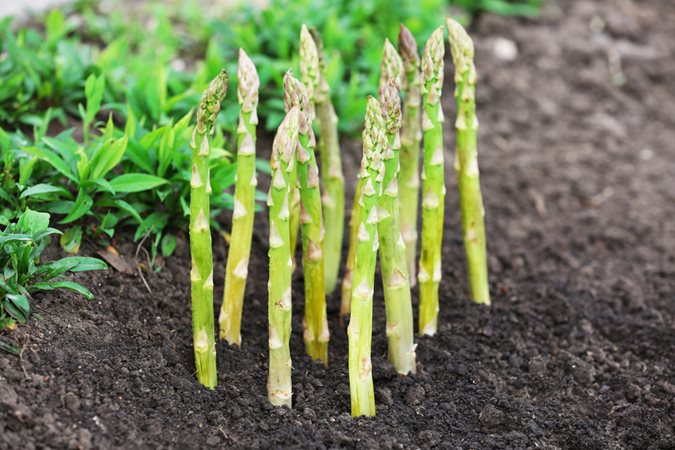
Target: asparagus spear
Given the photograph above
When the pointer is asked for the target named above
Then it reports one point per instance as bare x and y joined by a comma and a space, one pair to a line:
391, 68
279, 388
201, 275
466, 162
433, 187
244, 204
411, 135
360, 323
351, 253
401, 348
316, 333
332, 178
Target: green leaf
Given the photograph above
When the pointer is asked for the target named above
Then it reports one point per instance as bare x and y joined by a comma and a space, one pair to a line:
71, 239
9, 348
136, 182
168, 245
43, 188
81, 207
33, 222
17, 306
70, 285
107, 157
77, 264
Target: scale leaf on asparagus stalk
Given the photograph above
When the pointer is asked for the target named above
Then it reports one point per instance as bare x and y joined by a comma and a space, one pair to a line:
316, 334
332, 178
279, 387
201, 274
466, 162
411, 137
244, 204
433, 183
360, 324
398, 302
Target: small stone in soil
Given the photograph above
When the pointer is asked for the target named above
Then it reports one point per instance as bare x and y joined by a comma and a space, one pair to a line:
415, 395
383, 396
491, 417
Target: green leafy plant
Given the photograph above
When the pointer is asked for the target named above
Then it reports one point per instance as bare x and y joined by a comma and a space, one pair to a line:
23, 274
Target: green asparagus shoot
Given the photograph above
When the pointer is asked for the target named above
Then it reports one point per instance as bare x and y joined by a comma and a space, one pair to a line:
411, 136
279, 387
201, 275
466, 162
433, 184
360, 323
316, 333
398, 302
236, 270
332, 178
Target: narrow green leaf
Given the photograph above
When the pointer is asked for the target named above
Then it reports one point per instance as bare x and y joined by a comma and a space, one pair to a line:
81, 207
43, 188
136, 182
70, 285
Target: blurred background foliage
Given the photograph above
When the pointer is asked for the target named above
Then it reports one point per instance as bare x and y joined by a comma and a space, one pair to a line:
157, 57
96, 100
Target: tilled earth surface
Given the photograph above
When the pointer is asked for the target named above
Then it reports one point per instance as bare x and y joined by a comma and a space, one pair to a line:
578, 155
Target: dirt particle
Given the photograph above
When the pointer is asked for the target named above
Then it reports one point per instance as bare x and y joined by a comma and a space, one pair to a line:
383, 396
491, 417
213, 440
414, 395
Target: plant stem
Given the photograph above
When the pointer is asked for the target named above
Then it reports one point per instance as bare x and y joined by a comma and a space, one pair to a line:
411, 136
433, 184
279, 387
400, 333
466, 162
201, 275
360, 323
316, 333
236, 270
354, 222
332, 178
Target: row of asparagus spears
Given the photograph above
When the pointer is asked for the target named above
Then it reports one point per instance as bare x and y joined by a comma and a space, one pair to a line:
309, 203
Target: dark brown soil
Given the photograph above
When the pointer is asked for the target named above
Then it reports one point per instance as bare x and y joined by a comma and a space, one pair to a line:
578, 155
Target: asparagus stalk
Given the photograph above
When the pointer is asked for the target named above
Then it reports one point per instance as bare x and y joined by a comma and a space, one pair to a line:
315, 324
244, 204
332, 178
466, 162
400, 333
433, 185
411, 135
393, 67
279, 387
201, 275
351, 253
360, 323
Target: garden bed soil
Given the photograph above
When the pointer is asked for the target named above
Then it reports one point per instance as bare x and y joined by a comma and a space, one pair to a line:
577, 148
